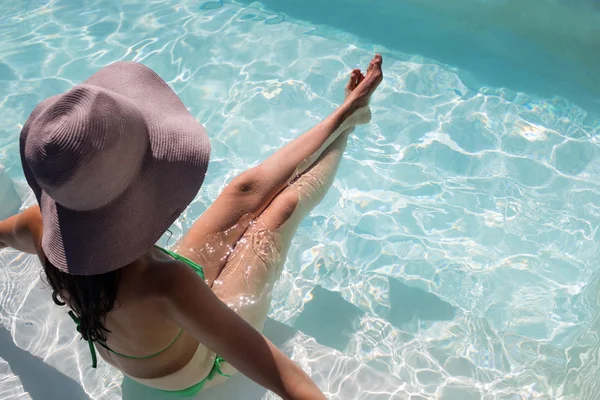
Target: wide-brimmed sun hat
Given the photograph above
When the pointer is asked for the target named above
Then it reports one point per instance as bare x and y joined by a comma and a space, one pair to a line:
113, 162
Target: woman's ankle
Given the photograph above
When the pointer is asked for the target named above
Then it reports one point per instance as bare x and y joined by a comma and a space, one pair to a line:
356, 116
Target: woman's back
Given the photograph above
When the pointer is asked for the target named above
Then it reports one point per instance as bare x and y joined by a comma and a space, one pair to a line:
139, 326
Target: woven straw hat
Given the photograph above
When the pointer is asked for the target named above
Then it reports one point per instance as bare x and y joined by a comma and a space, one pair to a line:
113, 162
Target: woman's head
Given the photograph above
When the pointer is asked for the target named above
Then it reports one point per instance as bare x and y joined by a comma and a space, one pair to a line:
90, 297
113, 162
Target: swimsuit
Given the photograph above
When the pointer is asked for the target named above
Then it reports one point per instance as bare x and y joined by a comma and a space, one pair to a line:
190, 391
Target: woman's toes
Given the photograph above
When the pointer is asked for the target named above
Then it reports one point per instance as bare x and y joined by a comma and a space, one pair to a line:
353, 81
370, 68
361, 77
375, 62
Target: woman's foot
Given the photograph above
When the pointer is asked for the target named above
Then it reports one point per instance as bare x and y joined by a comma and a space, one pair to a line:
356, 77
360, 87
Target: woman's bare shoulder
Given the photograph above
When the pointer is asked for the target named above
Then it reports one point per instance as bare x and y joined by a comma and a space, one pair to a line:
159, 274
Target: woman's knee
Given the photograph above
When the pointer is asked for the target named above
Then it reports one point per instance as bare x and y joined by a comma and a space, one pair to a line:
247, 182
280, 209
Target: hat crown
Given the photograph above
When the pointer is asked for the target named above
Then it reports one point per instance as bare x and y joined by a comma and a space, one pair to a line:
112, 163
86, 147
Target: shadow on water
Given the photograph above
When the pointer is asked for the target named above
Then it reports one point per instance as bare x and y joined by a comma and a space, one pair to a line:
410, 303
42, 381
539, 47
329, 318
332, 321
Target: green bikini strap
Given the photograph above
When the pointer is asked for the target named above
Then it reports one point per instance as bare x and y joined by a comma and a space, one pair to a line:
92, 348
216, 369
141, 357
189, 262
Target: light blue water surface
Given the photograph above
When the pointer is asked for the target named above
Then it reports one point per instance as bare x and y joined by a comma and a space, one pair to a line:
461, 232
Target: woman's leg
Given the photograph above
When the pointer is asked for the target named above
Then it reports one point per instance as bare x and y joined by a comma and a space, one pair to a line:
213, 236
245, 283
256, 263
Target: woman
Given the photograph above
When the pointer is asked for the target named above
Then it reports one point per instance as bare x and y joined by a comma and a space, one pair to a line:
113, 163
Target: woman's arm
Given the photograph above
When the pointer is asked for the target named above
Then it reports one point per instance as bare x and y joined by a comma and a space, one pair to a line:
192, 304
22, 231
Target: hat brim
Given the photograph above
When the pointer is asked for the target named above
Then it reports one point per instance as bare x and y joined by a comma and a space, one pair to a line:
109, 238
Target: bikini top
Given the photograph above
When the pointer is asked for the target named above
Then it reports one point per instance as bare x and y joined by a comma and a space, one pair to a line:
176, 256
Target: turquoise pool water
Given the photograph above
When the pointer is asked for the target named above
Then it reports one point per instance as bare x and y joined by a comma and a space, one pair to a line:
457, 250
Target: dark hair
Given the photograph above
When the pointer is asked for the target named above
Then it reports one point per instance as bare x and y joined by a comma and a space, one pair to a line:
90, 297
